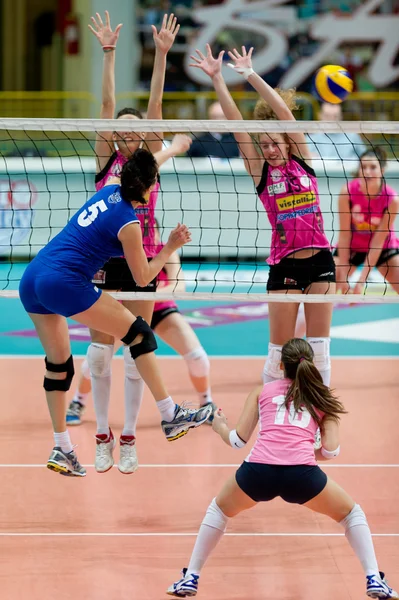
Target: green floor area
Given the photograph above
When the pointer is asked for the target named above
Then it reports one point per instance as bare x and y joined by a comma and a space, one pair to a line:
230, 329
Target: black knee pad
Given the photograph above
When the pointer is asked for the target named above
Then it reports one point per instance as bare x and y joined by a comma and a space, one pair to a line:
59, 385
148, 343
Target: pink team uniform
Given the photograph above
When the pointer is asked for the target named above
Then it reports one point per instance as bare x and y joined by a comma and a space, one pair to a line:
290, 196
366, 215
145, 213
284, 438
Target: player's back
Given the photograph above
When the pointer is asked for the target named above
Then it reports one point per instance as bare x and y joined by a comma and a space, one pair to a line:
285, 437
90, 238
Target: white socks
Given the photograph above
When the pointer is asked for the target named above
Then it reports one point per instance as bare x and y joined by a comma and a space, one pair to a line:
322, 359
358, 534
99, 357
62, 440
205, 397
272, 370
81, 398
211, 531
134, 390
167, 408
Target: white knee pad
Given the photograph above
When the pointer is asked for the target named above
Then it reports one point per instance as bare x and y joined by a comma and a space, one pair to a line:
197, 362
215, 517
85, 369
99, 358
322, 360
131, 371
355, 517
272, 369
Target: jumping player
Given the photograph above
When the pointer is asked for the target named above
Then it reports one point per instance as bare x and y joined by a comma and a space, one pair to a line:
113, 150
57, 285
367, 209
300, 258
283, 464
171, 326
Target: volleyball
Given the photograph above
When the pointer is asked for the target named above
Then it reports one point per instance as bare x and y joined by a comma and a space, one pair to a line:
333, 84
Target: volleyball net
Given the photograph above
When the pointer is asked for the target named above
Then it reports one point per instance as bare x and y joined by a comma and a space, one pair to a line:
47, 171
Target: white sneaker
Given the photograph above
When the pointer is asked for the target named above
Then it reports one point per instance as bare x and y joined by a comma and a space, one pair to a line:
377, 587
128, 462
105, 445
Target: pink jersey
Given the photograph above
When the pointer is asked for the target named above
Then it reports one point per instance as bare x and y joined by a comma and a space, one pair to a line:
162, 282
145, 213
290, 196
366, 215
285, 437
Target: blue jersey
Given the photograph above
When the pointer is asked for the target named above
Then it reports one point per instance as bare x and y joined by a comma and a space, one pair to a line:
90, 238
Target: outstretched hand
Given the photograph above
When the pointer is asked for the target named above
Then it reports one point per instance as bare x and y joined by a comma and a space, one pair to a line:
104, 33
242, 62
167, 34
210, 65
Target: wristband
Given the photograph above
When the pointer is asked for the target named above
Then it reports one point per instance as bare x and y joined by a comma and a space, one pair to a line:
235, 440
244, 71
108, 48
328, 454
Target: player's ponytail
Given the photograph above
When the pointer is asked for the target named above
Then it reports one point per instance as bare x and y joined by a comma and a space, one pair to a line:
307, 389
138, 174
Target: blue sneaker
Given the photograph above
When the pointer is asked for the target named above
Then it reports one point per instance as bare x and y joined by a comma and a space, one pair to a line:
74, 413
65, 463
377, 587
184, 419
186, 586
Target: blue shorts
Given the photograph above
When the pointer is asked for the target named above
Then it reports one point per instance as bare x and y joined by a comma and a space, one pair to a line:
47, 291
293, 483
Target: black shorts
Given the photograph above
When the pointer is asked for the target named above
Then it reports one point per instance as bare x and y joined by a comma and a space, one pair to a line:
159, 315
357, 258
300, 273
295, 483
116, 275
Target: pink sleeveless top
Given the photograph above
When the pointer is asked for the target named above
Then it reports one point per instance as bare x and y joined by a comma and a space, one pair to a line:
285, 437
366, 215
290, 196
162, 282
145, 213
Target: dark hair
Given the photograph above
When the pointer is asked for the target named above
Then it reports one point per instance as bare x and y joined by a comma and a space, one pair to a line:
307, 388
376, 152
129, 111
138, 174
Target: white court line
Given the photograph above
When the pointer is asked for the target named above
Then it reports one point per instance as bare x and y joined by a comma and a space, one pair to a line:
206, 466
180, 534
216, 357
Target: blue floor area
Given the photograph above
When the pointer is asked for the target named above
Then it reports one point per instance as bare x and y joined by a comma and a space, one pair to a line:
223, 328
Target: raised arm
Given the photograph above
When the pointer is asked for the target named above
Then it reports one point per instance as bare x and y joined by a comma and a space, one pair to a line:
108, 40
180, 144
213, 68
242, 63
238, 437
163, 42
132, 242
377, 243
344, 241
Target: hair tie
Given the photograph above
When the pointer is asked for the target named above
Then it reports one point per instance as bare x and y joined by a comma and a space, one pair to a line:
301, 359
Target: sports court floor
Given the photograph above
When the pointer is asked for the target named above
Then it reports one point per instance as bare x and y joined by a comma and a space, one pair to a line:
127, 537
